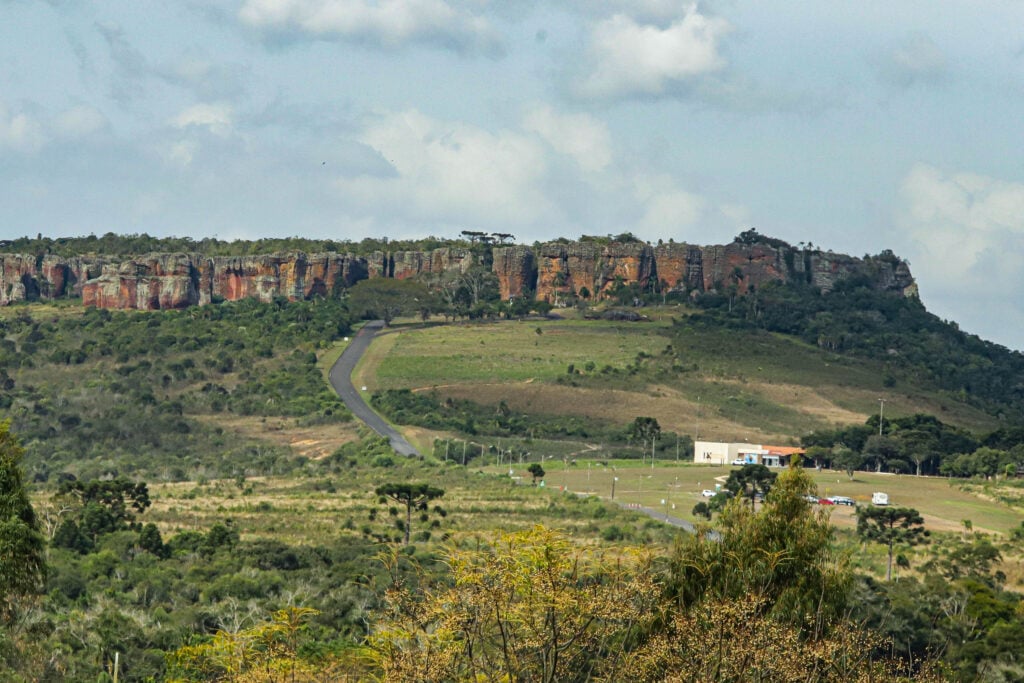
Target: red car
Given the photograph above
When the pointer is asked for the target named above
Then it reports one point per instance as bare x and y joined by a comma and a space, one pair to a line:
825, 501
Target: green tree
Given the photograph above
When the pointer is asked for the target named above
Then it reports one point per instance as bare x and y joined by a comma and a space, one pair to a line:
536, 471
750, 480
644, 430
101, 507
846, 459
386, 298
416, 496
22, 562
781, 556
891, 525
881, 451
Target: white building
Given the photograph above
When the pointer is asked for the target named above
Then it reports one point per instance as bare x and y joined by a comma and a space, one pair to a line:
721, 453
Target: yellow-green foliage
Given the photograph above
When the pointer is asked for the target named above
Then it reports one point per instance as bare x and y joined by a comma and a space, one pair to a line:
266, 653
527, 606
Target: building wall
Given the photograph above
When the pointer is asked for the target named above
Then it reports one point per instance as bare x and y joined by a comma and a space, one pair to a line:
711, 452
720, 453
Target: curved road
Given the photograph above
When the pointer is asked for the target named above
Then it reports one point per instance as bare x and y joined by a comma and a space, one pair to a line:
341, 380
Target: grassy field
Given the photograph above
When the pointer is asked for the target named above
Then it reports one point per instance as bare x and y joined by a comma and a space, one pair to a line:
510, 352
714, 384
943, 502
575, 497
329, 507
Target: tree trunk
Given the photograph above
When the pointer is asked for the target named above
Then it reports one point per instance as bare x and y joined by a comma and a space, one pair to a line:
408, 524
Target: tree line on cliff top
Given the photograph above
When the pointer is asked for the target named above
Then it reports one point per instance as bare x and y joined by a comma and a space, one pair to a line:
113, 244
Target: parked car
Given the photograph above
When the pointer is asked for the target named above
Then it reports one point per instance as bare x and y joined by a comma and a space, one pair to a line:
841, 500
739, 461
708, 493
811, 499
825, 501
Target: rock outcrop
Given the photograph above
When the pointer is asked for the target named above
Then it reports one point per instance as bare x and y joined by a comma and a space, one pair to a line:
157, 281
516, 270
557, 272
564, 270
29, 278
589, 269
161, 281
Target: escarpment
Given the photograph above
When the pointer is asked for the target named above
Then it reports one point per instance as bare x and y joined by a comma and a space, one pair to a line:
558, 272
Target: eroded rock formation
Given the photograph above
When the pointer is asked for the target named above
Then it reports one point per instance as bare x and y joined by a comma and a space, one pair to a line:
29, 278
556, 271
161, 281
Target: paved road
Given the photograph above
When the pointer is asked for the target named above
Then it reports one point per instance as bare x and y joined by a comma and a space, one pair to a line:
341, 380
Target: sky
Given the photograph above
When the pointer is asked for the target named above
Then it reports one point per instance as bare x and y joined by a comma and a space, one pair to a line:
855, 127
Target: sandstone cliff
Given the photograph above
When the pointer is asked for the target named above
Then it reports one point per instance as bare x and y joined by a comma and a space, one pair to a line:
161, 281
29, 278
556, 272
516, 270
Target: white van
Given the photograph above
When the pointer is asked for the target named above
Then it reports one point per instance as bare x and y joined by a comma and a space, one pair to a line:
878, 498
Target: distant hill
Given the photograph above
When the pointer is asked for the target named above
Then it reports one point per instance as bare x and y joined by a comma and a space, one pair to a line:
856, 308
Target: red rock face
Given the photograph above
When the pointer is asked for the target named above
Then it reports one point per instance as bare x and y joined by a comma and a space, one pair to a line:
17, 275
626, 263
555, 271
402, 265
679, 266
516, 270
564, 270
177, 281
157, 281
742, 265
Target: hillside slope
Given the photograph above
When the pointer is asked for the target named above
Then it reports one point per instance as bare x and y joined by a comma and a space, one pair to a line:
702, 381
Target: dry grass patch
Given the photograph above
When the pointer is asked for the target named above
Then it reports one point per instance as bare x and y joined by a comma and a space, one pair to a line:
670, 407
314, 442
803, 399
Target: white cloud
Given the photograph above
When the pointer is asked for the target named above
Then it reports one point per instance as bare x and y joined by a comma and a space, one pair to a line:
579, 136
632, 59
917, 59
555, 173
665, 206
216, 117
181, 153
388, 23
454, 172
958, 216
79, 121
966, 235
19, 131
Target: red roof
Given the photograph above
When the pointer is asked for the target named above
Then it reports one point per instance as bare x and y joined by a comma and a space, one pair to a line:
783, 450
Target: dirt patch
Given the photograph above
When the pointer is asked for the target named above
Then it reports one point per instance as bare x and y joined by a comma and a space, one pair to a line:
314, 442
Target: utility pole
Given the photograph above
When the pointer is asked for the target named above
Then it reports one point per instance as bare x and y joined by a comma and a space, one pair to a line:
614, 479
696, 431
881, 412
